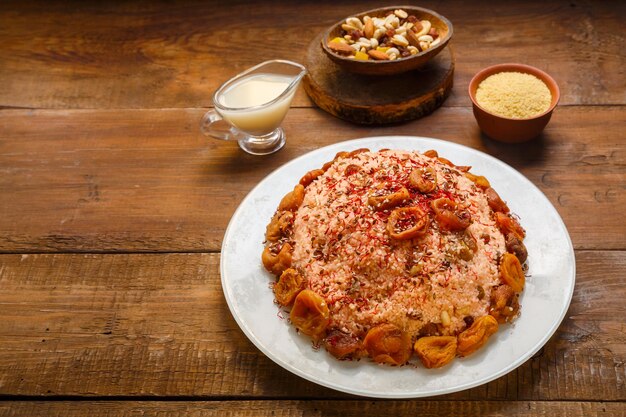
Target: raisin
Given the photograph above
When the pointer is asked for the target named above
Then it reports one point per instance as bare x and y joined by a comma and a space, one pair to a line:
356, 34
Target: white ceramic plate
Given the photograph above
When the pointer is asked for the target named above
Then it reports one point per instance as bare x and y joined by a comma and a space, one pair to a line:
544, 302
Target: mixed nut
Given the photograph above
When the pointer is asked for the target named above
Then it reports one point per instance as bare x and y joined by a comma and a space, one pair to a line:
395, 36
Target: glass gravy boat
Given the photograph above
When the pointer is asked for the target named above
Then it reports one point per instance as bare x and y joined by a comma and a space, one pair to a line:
250, 107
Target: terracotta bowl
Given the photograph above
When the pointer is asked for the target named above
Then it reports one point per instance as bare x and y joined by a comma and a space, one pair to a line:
372, 67
505, 129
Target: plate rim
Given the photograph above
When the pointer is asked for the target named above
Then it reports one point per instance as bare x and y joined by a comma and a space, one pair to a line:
341, 388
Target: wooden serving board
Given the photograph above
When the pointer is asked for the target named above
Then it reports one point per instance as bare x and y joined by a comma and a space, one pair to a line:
368, 99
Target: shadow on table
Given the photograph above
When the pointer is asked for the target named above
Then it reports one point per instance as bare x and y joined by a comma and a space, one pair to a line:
228, 158
519, 155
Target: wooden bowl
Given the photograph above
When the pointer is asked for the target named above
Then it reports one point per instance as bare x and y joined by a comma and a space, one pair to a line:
372, 67
505, 129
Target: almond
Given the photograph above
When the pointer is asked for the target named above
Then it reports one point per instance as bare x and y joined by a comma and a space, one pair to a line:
369, 29
340, 48
378, 55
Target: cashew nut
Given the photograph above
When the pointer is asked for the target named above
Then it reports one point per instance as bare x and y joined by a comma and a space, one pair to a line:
425, 28
356, 22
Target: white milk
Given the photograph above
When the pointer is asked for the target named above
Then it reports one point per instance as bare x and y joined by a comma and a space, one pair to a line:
256, 90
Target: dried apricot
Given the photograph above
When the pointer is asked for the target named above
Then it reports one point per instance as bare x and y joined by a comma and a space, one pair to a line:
288, 286
508, 225
310, 313
473, 338
276, 258
337, 157
407, 223
358, 151
511, 272
445, 161
382, 200
435, 351
448, 216
424, 179
279, 226
479, 180
340, 155
292, 200
388, 344
310, 176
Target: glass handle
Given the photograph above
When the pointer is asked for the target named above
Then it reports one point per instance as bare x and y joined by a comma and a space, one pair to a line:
213, 125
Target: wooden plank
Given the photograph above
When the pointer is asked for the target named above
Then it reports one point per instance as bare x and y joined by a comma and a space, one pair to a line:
147, 180
158, 325
158, 55
365, 100
312, 408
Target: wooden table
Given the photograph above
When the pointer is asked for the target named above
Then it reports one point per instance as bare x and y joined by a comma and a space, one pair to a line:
113, 206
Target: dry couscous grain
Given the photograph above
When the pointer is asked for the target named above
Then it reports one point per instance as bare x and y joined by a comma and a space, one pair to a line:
514, 95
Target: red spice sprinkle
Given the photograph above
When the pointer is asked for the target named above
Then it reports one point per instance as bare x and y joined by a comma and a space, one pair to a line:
354, 236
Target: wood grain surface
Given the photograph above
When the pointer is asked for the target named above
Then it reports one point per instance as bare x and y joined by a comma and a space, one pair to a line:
376, 100
146, 54
158, 325
113, 205
276, 408
147, 180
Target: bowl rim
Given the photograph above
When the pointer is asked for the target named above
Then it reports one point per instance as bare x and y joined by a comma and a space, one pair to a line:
442, 43
514, 67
